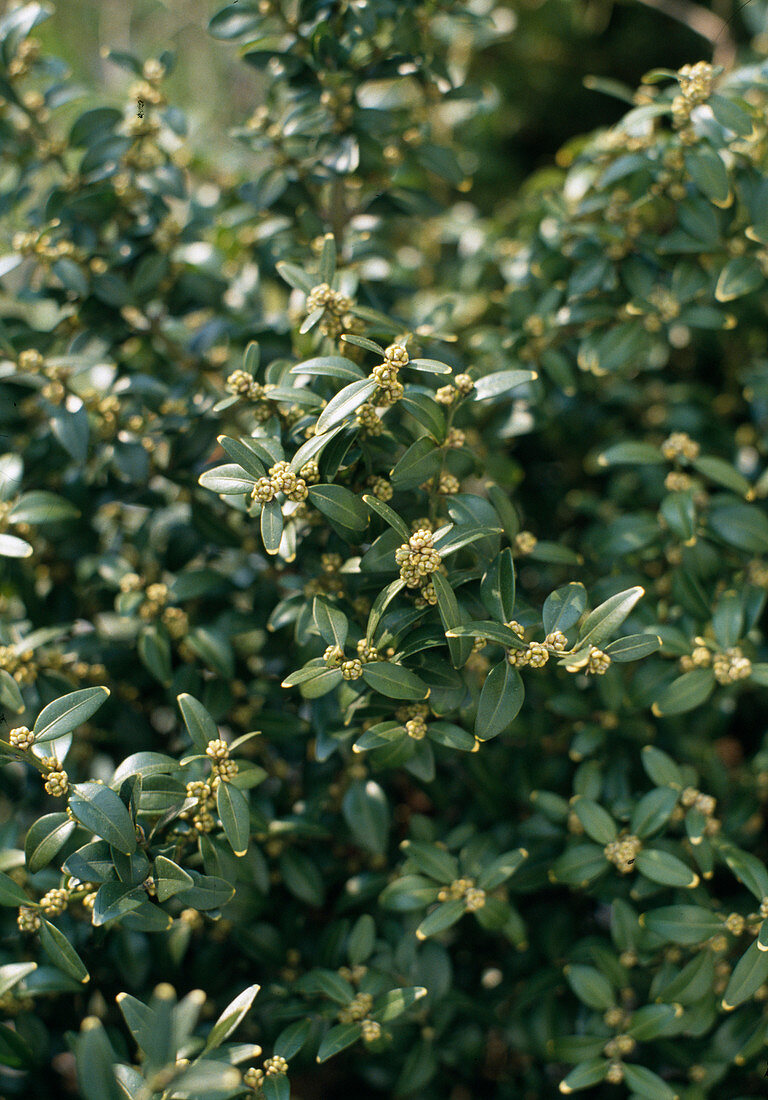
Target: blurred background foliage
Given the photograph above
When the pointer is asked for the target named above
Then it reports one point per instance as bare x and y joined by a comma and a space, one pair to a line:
538, 71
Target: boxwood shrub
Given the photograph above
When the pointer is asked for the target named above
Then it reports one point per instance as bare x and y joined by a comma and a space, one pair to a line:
382, 644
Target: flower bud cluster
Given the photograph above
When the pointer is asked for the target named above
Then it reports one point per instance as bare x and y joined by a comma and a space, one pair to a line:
21, 738
201, 814
334, 304
243, 384
367, 652
356, 1009
371, 1031
598, 662
731, 665
280, 479
28, 919
352, 669
618, 1045
54, 902
222, 767
380, 488
416, 728
704, 803
156, 597
525, 542
622, 852
417, 558
369, 420
701, 657
390, 388
680, 445
57, 780
254, 1078
20, 665
465, 888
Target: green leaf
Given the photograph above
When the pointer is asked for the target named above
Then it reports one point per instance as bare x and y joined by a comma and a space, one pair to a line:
394, 681
313, 447
501, 868
748, 869
61, 952
585, 1075
295, 276
647, 1084
231, 1018
652, 812
408, 893
102, 811
363, 342
732, 115
422, 461
41, 507
652, 1021
451, 736
10, 696
380, 605
500, 701
451, 615
666, 869
271, 526
579, 865
742, 526
427, 412
633, 647
45, 838
302, 877
337, 1039
430, 366
115, 900
366, 812
67, 713
362, 940
331, 366
749, 974
239, 450
740, 276
95, 1061
330, 621
200, 726
292, 1038
682, 924
431, 860
661, 768
396, 1002
389, 516
209, 892
344, 404
501, 382
709, 173
170, 878
685, 693
598, 823
460, 537
446, 914
154, 650
608, 616
590, 986
631, 454
346, 511
13, 547
497, 588
722, 473
233, 810
11, 893
563, 607
229, 479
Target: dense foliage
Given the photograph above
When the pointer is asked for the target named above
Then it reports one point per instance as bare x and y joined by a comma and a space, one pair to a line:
382, 642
